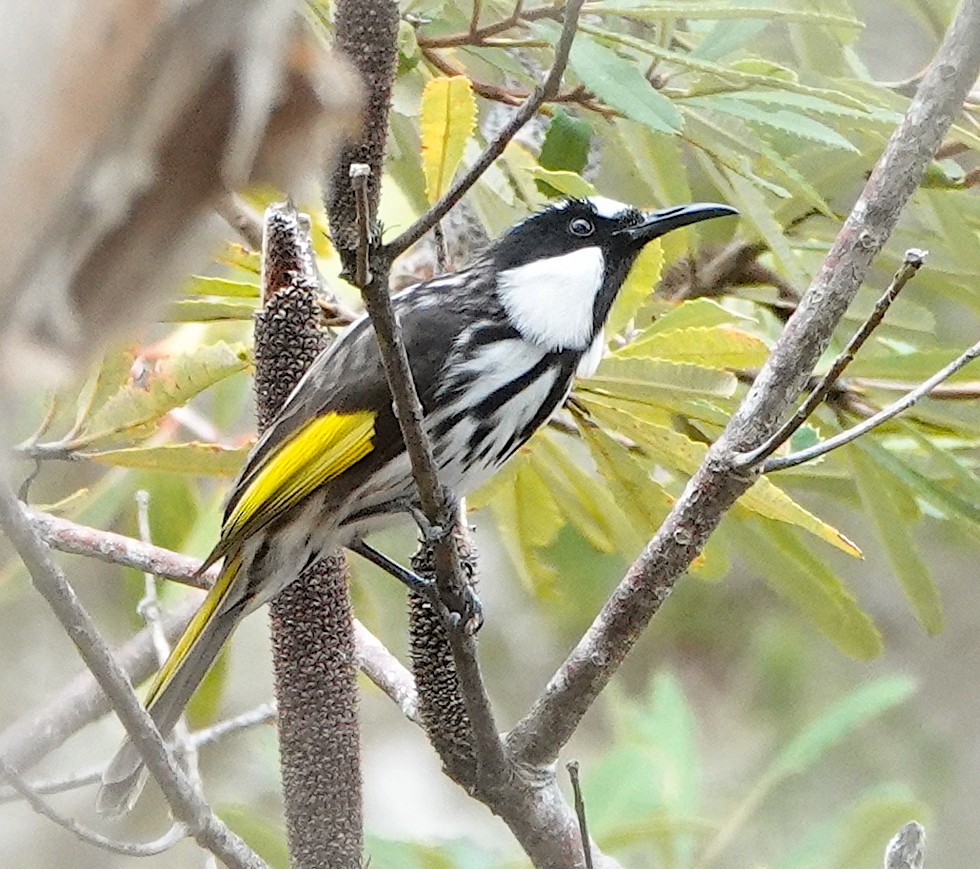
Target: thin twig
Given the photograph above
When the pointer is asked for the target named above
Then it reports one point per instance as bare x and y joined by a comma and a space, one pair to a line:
863, 427
129, 849
187, 807
261, 714
914, 260
583, 826
239, 216
59, 785
524, 114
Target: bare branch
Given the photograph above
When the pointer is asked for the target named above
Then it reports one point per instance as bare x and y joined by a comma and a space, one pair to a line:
863, 427
720, 480
29, 739
129, 849
524, 114
914, 260
240, 216
188, 808
572, 767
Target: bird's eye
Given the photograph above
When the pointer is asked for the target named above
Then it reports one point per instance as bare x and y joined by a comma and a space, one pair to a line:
581, 227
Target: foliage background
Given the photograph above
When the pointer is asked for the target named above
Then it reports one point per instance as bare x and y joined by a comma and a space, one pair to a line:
699, 735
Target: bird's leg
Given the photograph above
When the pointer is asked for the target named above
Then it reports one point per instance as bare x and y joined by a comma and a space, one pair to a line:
411, 580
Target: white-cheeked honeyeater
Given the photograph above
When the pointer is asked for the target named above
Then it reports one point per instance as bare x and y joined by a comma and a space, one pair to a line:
493, 349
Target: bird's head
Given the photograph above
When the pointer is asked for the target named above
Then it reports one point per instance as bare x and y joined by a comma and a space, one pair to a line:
559, 271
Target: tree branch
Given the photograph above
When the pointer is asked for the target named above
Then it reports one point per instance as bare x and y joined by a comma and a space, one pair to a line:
863, 427
720, 481
188, 808
82, 701
914, 260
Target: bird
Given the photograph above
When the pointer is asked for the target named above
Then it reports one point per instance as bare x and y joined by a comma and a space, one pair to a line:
493, 349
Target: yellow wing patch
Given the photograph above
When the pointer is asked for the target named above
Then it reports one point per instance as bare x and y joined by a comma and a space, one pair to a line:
324, 448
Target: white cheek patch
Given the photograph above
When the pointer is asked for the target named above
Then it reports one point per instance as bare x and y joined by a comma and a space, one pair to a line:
608, 208
552, 301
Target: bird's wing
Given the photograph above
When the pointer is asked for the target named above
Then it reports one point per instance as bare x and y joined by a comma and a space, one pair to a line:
338, 419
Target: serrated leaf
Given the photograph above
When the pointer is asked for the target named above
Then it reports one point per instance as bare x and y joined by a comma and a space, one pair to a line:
912, 367
881, 499
840, 721
713, 346
112, 375
209, 310
529, 519
620, 84
796, 574
694, 313
563, 183
644, 10
637, 377
783, 120
675, 450
136, 409
639, 284
756, 210
448, 118
590, 508
189, 458
766, 499
566, 143
643, 501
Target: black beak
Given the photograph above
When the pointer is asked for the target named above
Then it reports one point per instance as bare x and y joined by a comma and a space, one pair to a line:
658, 223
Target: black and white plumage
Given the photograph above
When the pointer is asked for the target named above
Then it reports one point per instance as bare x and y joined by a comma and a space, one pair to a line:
493, 350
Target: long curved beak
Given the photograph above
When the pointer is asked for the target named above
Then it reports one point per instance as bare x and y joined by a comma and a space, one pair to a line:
658, 223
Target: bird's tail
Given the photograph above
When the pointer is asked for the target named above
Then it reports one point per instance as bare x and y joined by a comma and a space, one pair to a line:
189, 662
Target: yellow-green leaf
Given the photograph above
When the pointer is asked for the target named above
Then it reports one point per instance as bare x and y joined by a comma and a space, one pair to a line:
190, 458
564, 183
643, 277
882, 499
714, 346
675, 450
636, 378
795, 573
136, 408
448, 120
210, 310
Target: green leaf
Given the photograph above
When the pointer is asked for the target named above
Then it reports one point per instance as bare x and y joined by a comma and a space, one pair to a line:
209, 310
844, 717
188, 458
203, 286
881, 498
645, 10
448, 118
643, 501
713, 346
266, 839
637, 377
637, 288
112, 375
556, 182
782, 120
694, 313
797, 575
566, 143
134, 409
620, 84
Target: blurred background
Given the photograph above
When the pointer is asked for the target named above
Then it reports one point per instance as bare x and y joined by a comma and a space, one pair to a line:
746, 728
